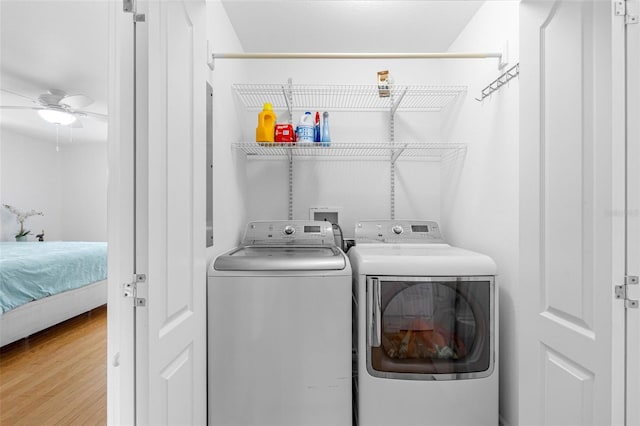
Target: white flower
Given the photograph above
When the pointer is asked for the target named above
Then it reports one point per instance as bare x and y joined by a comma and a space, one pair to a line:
22, 216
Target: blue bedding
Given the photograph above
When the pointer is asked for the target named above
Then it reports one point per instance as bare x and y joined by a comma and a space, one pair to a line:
33, 270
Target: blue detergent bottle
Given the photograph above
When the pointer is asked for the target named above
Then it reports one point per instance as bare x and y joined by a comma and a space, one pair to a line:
325, 139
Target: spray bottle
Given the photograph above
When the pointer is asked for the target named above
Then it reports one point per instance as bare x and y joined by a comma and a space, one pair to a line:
325, 138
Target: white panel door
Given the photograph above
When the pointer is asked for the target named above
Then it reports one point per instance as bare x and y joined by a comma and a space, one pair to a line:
572, 246
170, 216
633, 213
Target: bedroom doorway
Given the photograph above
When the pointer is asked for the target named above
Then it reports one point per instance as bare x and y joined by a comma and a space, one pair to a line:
57, 165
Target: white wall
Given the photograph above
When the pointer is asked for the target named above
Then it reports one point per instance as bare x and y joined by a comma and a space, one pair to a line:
229, 175
30, 173
69, 186
83, 171
480, 199
247, 189
361, 186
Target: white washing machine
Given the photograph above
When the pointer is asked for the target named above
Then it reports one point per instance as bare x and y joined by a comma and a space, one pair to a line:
279, 329
426, 328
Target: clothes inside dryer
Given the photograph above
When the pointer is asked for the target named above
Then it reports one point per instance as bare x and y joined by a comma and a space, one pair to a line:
432, 327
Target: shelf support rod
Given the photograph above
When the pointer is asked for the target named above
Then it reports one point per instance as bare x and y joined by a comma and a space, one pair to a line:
290, 195
392, 163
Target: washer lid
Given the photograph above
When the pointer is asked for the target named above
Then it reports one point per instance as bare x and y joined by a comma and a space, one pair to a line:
419, 260
281, 258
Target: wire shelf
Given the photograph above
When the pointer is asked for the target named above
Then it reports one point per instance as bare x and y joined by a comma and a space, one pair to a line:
360, 150
346, 97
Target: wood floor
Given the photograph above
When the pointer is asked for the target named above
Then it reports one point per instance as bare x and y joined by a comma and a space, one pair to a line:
57, 376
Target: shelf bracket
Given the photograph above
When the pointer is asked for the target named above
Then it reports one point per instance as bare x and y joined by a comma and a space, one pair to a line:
397, 153
503, 60
396, 103
210, 63
288, 98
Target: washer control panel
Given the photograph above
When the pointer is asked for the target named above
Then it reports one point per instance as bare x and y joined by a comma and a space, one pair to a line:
307, 232
398, 231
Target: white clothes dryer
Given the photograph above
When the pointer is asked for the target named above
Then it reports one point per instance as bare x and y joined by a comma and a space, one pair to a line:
426, 328
279, 335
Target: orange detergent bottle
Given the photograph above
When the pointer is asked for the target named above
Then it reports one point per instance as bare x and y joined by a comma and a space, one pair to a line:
266, 124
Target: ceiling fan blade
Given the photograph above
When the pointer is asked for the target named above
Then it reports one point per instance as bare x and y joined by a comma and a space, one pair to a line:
58, 92
50, 98
21, 107
76, 101
17, 94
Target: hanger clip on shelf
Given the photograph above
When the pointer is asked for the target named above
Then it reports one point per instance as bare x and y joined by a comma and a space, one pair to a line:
500, 81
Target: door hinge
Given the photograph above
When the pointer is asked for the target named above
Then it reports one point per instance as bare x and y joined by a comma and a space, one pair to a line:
129, 6
131, 290
621, 8
622, 291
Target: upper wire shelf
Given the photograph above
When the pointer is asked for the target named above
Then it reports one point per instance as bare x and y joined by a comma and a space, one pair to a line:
359, 150
347, 97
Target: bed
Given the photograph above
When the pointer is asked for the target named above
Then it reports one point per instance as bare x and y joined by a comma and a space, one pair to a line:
44, 283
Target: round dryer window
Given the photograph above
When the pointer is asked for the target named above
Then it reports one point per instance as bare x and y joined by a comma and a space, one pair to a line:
433, 326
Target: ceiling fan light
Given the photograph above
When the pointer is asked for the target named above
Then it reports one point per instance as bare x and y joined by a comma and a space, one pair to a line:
57, 117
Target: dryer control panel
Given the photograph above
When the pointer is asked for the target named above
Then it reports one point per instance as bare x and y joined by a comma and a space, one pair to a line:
398, 231
301, 232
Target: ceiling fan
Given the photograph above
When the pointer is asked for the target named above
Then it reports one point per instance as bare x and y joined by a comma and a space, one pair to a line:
57, 107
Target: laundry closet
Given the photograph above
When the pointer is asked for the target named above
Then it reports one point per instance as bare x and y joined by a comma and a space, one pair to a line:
441, 155
522, 154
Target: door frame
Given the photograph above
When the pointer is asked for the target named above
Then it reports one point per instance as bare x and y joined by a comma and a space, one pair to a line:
631, 323
120, 313
618, 392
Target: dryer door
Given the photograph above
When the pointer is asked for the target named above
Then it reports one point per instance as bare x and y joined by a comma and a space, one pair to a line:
430, 328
